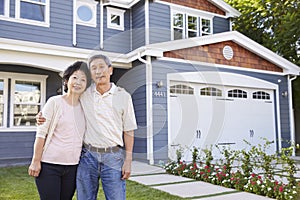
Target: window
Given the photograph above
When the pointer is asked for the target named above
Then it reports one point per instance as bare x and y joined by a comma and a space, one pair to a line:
210, 91
27, 94
1, 102
86, 13
115, 18
206, 26
181, 89
2, 7
237, 94
261, 95
187, 25
35, 11
178, 25
192, 27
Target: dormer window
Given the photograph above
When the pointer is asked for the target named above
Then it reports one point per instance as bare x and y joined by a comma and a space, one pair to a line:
115, 18
187, 25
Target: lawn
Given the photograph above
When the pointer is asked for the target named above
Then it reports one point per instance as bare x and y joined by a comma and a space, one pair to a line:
15, 184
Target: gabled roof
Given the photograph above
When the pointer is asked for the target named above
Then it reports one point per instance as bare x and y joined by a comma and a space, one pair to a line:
121, 3
230, 11
159, 48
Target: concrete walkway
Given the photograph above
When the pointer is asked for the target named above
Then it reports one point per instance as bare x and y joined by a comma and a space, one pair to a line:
156, 177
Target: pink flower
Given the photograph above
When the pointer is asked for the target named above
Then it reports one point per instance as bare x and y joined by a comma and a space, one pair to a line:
206, 167
253, 175
281, 188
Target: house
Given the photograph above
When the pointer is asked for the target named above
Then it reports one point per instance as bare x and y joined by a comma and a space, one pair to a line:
194, 81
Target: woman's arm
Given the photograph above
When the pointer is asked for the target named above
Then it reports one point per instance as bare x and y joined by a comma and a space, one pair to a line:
35, 166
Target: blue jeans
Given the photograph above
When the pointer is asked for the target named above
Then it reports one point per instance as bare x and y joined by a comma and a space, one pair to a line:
105, 166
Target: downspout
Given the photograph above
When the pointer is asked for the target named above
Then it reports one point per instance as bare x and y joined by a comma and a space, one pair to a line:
102, 23
149, 108
147, 38
74, 24
291, 111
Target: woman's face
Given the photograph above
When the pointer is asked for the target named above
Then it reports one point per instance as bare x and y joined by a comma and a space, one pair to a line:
77, 82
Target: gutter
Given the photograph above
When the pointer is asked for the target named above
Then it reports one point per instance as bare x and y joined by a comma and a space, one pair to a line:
149, 107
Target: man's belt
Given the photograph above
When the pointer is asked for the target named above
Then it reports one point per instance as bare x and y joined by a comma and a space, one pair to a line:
101, 150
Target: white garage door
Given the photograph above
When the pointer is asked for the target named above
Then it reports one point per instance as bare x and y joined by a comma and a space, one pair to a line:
202, 115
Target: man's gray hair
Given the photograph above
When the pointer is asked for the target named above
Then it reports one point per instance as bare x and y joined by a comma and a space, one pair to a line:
99, 56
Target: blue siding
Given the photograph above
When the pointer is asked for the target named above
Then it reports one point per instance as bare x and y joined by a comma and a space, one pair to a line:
89, 37
134, 81
59, 32
160, 123
220, 25
116, 40
159, 23
138, 25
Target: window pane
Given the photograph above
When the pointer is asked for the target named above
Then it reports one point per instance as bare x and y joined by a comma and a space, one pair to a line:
32, 11
27, 92
1, 102
178, 20
1, 7
178, 34
115, 19
192, 23
24, 115
85, 13
205, 26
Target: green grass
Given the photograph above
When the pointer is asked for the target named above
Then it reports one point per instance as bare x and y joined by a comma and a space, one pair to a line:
15, 184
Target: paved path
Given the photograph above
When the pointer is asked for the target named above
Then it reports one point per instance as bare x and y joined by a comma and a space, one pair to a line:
156, 177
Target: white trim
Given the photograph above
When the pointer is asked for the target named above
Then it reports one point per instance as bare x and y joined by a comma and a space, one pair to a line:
46, 23
6, 9
122, 4
219, 66
240, 39
5, 98
92, 5
278, 120
291, 111
229, 11
147, 34
74, 23
118, 12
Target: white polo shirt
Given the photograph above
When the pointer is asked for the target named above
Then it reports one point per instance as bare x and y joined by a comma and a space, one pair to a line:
107, 116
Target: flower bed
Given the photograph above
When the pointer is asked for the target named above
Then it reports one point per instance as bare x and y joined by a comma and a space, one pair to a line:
251, 171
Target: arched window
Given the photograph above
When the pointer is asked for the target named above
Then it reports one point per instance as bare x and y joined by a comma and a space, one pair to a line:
236, 93
211, 91
181, 89
261, 95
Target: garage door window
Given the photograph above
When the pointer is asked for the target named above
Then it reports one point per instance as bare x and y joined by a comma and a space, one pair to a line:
237, 94
211, 91
181, 89
261, 95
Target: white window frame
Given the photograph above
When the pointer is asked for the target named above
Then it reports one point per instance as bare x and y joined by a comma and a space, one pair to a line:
93, 6
190, 12
118, 12
187, 25
13, 77
200, 27
5, 98
33, 22
6, 9
183, 26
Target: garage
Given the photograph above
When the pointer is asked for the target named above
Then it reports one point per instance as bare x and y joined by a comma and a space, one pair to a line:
218, 108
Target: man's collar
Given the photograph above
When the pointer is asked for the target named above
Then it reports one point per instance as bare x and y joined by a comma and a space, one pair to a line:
110, 91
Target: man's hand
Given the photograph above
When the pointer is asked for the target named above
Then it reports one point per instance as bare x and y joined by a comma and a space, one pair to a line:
126, 169
39, 118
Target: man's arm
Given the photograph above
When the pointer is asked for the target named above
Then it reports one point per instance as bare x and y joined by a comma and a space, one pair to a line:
128, 141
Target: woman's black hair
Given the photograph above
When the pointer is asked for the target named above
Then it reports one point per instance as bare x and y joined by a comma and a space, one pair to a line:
78, 65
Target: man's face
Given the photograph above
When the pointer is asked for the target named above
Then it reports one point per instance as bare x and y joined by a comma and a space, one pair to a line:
100, 72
